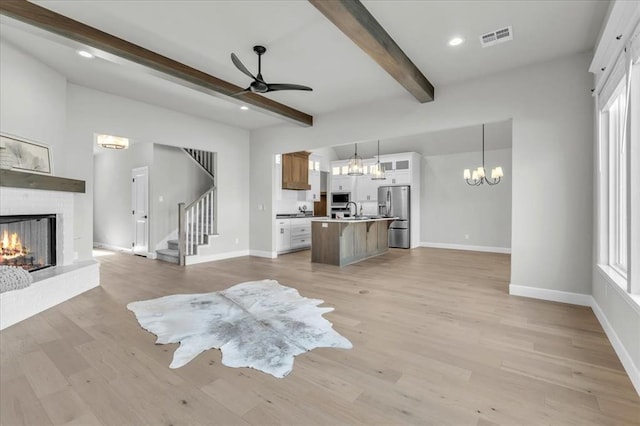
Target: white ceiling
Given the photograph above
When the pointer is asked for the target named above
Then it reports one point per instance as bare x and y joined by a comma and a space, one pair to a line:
305, 48
452, 141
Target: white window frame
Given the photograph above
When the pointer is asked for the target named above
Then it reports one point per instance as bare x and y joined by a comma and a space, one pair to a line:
619, 158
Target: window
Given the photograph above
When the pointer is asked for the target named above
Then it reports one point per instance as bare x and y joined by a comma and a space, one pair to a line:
618, 169
613, 123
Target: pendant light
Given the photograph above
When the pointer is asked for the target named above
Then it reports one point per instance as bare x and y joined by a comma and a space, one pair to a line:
355, 164
378, 172
477, 177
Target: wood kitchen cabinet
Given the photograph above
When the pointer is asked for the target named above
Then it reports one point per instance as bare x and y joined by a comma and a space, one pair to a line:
295, 171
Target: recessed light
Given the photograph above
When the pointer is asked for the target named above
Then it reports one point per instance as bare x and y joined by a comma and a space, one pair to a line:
456, 41
85, 54
244, 107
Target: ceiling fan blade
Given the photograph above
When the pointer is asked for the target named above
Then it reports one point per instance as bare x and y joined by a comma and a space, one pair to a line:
275, 87
241, 66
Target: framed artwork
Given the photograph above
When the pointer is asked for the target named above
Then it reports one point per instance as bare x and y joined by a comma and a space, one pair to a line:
24, 156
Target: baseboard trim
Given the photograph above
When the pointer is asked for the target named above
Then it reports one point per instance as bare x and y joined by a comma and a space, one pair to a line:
488, 249
551, 295
265, 254
192, 260
631, 369
111, 247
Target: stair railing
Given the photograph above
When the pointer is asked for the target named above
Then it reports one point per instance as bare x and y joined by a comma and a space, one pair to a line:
205, 159
195, 222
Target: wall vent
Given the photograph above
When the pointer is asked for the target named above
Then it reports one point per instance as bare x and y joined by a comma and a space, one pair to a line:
495, 37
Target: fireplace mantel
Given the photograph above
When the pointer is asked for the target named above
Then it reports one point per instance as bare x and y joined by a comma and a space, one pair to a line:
13, 179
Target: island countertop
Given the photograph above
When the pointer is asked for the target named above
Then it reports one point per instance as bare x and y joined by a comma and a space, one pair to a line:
342, 242
355, 220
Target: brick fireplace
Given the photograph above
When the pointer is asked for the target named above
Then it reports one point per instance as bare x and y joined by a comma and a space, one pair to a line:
20, 196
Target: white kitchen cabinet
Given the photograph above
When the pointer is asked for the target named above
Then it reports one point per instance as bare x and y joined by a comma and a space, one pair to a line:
341, 183
402, 172
283, 237
367, 188
340, 180
314, 180
397, 169
293, 234
300, 233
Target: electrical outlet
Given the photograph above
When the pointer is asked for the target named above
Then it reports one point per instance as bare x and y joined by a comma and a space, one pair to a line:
237, 240
466, 236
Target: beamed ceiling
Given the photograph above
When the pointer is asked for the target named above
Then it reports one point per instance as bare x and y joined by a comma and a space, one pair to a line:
176, 54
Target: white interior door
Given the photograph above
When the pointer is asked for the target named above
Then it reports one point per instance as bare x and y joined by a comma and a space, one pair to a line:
140, 210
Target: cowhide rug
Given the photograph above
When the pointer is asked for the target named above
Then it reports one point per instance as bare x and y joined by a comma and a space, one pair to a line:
257, 324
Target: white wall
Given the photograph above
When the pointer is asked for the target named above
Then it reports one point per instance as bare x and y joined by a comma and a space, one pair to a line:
550, 105
176, 178
32, 102
452, 210
112, 192
33, 106
90, 111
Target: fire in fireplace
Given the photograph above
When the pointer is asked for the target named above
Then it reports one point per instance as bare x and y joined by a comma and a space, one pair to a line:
28, 242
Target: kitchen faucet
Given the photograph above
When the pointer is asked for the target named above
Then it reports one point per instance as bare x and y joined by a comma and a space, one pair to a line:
355, 204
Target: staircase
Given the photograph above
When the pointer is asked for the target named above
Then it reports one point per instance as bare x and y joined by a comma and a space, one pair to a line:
196, 222
170, 254
204, 159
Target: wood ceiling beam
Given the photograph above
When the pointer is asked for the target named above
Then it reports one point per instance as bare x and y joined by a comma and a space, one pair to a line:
353, 19
185, 75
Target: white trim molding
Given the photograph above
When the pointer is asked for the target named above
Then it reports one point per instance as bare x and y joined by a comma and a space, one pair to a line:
488, 249
111, 247
627, 362
551, 295
192, 260
265, 254
630, 367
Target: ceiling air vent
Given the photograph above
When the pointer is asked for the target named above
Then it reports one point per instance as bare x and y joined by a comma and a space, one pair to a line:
495, 37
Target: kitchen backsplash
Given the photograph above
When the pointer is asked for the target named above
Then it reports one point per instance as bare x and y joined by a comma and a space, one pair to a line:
290, 203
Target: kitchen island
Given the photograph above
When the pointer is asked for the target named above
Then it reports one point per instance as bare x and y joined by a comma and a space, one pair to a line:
342, 242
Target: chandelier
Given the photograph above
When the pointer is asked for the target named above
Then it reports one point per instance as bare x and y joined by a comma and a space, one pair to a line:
478, 177
355, 167
112, 142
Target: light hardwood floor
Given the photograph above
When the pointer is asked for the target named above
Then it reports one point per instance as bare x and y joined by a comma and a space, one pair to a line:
437, 341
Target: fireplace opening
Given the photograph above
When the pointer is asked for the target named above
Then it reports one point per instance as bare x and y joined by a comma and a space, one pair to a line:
28, 241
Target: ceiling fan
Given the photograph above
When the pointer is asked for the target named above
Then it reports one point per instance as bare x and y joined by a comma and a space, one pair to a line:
258, 85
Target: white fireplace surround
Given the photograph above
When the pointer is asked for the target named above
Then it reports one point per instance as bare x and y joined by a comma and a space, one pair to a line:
54, 285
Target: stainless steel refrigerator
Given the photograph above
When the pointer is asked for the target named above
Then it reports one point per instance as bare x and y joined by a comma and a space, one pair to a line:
396, 201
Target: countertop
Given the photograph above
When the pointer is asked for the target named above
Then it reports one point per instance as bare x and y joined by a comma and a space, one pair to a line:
368, 219
294, 215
